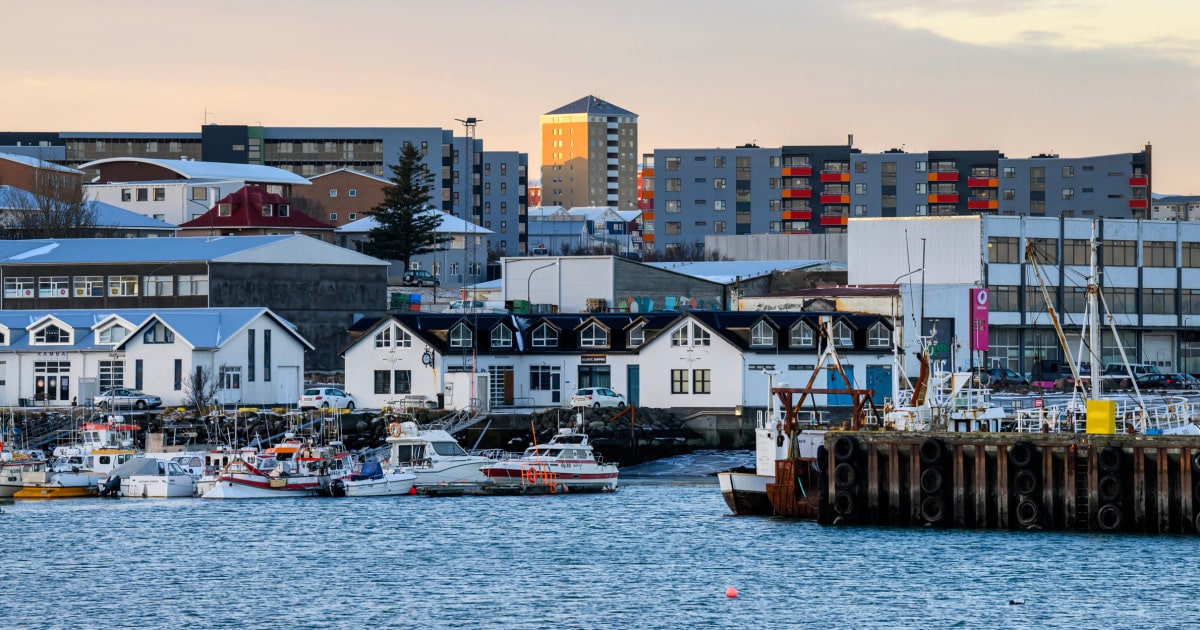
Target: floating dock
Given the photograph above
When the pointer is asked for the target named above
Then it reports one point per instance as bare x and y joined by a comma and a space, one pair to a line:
1056, 481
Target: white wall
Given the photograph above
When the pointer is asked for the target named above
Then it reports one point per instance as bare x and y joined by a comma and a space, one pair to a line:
177, 208
880, 250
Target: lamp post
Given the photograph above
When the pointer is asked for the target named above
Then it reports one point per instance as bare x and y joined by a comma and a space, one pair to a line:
529, 279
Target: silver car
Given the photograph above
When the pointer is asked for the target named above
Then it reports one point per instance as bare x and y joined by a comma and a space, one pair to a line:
122, 398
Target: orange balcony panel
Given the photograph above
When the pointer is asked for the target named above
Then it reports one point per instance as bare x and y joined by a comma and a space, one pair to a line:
838, 176
647, 216
798, 215
835, 199
943, 176
647, 194
647, 172
1139, 181
834, 220
983, 182
648, 238
983, 204
944, 198
797, 171
797, 193
1138, 203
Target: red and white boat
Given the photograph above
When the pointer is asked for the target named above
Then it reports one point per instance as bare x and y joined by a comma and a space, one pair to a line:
566, 463
301, 470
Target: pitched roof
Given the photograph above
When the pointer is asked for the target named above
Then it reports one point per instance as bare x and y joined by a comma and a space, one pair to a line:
37, 163
192, 169
591, 105
274, 249
450, 225
107, 215
247, 211
353, 172
729, 271
213, 327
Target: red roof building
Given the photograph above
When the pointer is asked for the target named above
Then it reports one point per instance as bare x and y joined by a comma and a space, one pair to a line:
254, 211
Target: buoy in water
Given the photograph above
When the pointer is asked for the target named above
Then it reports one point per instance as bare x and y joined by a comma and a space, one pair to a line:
1016, 602
412, 490
731, 592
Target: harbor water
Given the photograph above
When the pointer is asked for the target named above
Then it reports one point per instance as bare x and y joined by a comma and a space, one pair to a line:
659, 553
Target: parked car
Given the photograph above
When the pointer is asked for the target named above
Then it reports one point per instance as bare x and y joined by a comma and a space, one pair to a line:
1159, 381
1188, 381
466, 306
1004, 377
597, 397
122, 398
326, 398
418, 278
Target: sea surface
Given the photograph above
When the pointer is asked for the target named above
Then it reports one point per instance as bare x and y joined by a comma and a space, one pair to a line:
659, 553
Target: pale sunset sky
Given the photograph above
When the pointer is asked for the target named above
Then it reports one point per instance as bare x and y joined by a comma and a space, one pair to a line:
1073, 77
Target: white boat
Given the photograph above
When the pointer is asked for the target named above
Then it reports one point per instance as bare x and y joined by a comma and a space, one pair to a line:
433, 455
214, 462
301, 470
78, 468
566, 463
148, 477
373, 480
11, 472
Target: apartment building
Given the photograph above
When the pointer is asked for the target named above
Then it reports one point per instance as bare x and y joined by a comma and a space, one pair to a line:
589, 155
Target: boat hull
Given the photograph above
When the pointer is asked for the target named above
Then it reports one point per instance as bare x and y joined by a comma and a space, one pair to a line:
55, 492
746, 493
452, 472
158, 487
239, 488
598, 478
389, 485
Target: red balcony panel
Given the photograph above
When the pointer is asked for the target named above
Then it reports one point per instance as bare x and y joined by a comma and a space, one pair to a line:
1139, 181
835, 199
983, 204
1138, 203
834, 220
835, 177
797, 171
943, 176
799, 215
797, 193
944, 198
983, 182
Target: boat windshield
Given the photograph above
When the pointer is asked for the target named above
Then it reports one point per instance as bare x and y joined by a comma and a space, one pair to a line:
543, 451
448, 449
409, 453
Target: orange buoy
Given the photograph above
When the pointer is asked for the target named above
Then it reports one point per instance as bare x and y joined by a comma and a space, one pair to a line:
412, 490
731, 592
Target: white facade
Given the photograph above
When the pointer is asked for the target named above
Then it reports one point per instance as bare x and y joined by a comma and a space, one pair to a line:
175, 202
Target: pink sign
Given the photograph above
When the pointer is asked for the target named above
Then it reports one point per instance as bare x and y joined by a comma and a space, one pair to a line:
979, 319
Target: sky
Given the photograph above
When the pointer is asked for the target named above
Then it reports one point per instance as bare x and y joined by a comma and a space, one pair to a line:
1072, 77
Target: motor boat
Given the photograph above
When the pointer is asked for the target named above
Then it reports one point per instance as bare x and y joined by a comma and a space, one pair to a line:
301, 469
566, 463
148, 477
433, 455
373, 480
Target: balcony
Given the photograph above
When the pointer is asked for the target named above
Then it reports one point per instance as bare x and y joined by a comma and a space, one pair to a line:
1138, 204
797, 193
797, 215
943, 198
835, 176
983, 204
834, 219
797, 171
943, 176
647, 173
1139, 181
835, 199
983, 182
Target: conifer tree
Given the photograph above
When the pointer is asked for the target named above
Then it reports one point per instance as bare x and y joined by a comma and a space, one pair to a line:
406, 220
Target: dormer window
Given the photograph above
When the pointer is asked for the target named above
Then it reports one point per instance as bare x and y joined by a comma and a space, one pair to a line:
3, 336
284, 210
224, 209
268, 210
112, 334
158, 333
878, 336
594, 336
545, 337
384, 338
802, 336
843, 336
51, 335
637, 336
762, 335
680, 336
700, 337
461, 336
502, 337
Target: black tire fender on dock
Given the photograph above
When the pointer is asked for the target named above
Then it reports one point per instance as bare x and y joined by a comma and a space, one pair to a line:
843, 503
1021, 454
1028, 512
1196, 493
1109, 517
844, 448
1196, 462
932, 481
1109, 458
844, 476
933, 509
933, 451
1110, 488
1025, 482
822, 458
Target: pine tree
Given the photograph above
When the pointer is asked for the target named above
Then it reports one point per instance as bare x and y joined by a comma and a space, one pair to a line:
406, 220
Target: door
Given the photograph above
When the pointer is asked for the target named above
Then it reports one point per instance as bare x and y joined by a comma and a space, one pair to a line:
633, 384
836, 382
879, 378
287, 383
1158, 350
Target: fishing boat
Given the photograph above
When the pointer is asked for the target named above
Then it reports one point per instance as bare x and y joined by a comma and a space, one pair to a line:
77, 468
566, 463
301, 469
373, 480
148, 477
433, 455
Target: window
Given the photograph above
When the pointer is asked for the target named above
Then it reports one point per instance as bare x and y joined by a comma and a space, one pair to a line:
1009, 172
672, 163
384, 338
700, 337
267, 209
1189, 301
860, 189
124, 286
333, 216
189, 285
1158, 254
878, 336
1158, 301
802, 336
1120, 253
54, 286
673, 206
673, 228
1068, 193
126, 194
159, 333
382, 384
266, 355
637, 336
719, 205
719, 161
673, 184
460, 336
112, 335
1191, 255
231, 377
159, 285
18, 287
843, 337
680, 337
199, 193
143, 194
1068, 172
85, 286
860, 167
1121, 299
922, 166
111, 374
594, 336
160, 194
545, 337
718, 227
501, 337
250, 355
1003, 249
543, 377
51, 334
353, 192
402, 382
1046, 249
333, 192
701, 381
1009, 194
679, 381
762, 334
719, 183
1003, 298
1076, 251
224, 209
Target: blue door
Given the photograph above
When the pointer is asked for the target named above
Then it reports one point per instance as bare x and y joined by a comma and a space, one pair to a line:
879, 378
835, 382
632, 375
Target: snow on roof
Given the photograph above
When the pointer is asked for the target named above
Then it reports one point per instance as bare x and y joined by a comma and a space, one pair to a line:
37, 163
107, 215
729, 271
275, 249
354, 172
450, 225
192, 169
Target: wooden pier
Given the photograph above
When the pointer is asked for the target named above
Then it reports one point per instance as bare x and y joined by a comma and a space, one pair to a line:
1110, 483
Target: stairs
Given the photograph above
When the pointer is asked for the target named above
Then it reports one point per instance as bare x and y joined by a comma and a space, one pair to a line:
1082, 508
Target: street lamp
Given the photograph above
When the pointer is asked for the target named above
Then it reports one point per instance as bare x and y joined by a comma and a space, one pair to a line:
529, 279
